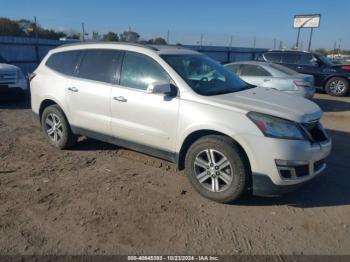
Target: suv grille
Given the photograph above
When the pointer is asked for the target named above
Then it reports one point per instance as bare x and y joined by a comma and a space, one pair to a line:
315, 132
8, 78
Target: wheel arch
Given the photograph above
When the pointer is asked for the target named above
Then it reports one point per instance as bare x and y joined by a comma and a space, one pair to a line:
49, 102
332, 76
194, 136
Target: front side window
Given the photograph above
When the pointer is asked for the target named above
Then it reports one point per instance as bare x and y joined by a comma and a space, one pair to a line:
291, 58
64, 62
138, 71
204, 75
253, 70
273, 57
100, 65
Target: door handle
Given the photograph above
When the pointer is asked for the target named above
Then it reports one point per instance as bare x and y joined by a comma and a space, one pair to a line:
120, 98
73, 89
266, 80
300, 67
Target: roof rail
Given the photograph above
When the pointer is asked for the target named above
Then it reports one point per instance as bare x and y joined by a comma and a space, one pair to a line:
110, 42
288, 50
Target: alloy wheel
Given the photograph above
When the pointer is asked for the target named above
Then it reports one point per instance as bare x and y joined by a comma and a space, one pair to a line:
53, 127
337, 86
213, 170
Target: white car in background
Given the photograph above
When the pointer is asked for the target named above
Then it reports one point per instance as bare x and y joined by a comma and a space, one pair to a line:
13, 83
274, 76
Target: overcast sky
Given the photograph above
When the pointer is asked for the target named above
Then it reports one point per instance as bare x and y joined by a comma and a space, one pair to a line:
186, 20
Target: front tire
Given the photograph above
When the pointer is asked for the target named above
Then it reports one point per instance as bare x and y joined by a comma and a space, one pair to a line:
337, 86
56, 128
217, 168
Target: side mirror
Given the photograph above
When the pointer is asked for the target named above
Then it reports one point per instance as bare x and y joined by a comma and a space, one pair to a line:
159, 88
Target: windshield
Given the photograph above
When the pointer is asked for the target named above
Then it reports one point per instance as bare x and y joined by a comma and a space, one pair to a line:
2, 60
204, 75
324, 59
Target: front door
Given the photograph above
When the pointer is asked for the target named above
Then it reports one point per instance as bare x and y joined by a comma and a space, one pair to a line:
139, 117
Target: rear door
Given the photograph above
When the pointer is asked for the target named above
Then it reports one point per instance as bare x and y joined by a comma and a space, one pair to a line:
88, 93
309, 65
291, 60
255, 75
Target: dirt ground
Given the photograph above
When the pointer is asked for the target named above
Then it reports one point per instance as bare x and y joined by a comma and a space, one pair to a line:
99, 199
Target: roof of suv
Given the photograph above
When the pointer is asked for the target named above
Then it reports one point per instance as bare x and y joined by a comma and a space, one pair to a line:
159, 49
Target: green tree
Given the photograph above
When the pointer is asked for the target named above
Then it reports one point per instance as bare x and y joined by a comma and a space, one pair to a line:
110, 36
157, 41
321, 51
95, 36
129, 36
10, 28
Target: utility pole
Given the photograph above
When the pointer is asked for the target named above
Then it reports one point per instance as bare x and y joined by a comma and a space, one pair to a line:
281, 45
274, 43
231, 41
309, 48
254, 42
168, 37
83, 28
36, 40
201, 40
339, 47
297, 44
334, 48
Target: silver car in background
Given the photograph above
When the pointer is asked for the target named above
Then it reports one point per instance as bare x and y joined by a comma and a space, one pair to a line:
274, 76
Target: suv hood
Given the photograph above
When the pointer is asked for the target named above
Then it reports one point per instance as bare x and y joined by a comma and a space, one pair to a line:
7, 67
271, 102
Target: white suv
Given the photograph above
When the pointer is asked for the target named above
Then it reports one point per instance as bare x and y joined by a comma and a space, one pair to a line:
180, 105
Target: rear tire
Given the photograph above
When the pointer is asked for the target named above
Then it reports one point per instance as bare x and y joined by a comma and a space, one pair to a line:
56, 128
337, 86
217, 168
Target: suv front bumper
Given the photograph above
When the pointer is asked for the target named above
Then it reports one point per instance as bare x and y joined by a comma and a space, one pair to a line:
303, 159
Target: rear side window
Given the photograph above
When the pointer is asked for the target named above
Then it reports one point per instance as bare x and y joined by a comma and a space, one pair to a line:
253, 70
100, 65
139, 71
233, 67
291, 58
64, 62
273, 57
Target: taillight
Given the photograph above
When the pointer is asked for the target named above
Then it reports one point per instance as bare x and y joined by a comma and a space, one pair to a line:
301, 83
31, 76
345, 67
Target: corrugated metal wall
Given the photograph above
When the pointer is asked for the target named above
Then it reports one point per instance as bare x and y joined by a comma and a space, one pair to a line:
25, 52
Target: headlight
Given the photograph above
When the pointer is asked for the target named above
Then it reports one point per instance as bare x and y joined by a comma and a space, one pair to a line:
276, 127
